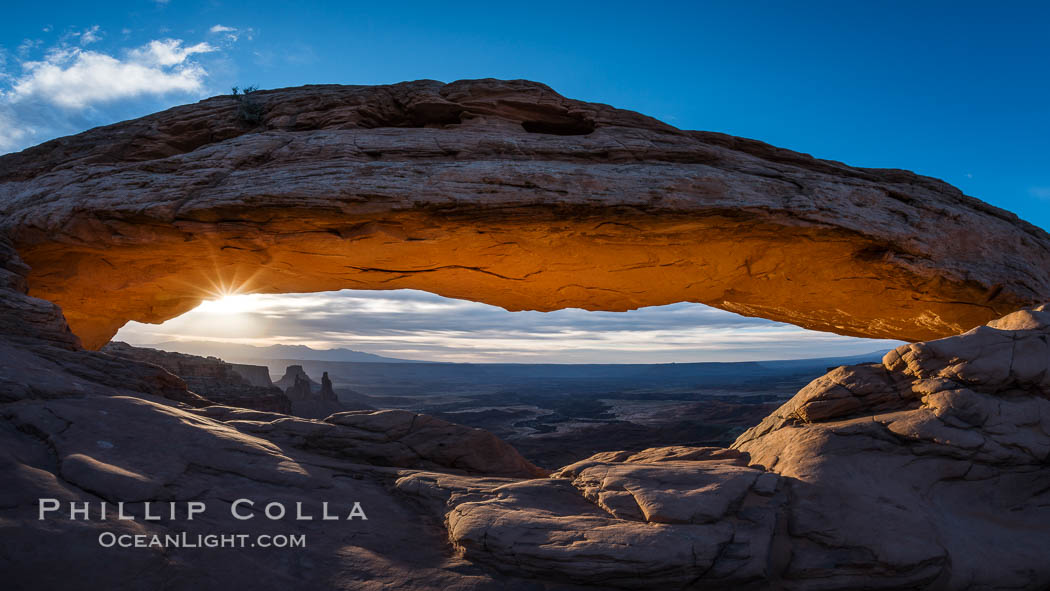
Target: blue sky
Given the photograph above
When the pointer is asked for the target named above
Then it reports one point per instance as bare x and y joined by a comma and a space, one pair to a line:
955, 90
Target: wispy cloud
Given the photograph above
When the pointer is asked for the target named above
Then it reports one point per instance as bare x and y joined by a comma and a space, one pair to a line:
1040, 193
57, 92
91, 35
168, 52
28, 45
231, 33
420, 325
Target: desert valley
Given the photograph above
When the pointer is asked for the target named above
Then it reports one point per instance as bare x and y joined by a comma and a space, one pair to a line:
553, 414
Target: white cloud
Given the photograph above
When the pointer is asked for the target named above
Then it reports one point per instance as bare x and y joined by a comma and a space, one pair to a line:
167, 52
76, 78
59, 90
1040, 193
426, 326
230, 33
90, 36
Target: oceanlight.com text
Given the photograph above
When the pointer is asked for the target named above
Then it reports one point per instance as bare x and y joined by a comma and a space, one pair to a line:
185, 540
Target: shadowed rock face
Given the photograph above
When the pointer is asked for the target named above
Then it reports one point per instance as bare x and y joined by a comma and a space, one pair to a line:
327, 392
256, 375
294, 374
212, 378
502, 192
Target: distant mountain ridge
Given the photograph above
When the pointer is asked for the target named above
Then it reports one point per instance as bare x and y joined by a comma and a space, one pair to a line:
239, 353
236, 352
527, 380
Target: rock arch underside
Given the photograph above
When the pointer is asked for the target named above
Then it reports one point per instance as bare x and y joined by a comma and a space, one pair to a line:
928, 470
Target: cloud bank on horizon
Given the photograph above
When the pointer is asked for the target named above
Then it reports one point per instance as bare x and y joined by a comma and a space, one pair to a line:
418, 325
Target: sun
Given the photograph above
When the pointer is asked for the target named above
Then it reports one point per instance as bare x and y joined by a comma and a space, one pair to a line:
229, 304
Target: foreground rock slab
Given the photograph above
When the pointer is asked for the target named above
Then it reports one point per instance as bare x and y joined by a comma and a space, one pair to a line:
502, 192
99, 449
387, 438
928, 470
632, 524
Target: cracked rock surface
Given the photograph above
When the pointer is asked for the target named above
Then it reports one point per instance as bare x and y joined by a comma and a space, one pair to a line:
503, 192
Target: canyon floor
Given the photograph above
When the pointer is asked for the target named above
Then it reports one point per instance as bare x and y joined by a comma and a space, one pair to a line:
558, 414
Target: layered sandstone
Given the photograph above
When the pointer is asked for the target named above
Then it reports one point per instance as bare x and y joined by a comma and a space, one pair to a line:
256, 375
210, 377
503, 192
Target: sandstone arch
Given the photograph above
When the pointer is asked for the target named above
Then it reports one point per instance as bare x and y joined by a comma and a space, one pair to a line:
501, 192
925, 471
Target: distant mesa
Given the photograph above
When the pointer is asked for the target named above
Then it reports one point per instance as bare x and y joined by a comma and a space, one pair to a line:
300, 390
293, 377
246, 386
312, 400
327, 393
214, 379
256, 375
